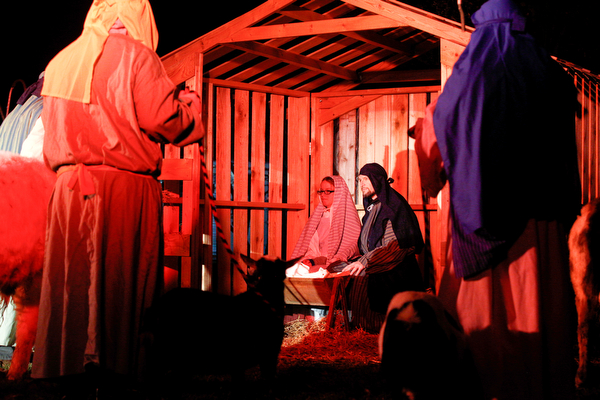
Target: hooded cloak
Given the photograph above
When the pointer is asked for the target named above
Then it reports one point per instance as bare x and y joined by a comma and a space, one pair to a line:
69, 73
344, 230
503, 134
394, 208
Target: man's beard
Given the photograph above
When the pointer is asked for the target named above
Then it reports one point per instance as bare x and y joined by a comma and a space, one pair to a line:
368, 194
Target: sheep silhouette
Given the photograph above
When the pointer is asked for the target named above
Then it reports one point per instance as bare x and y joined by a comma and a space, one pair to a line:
200, 332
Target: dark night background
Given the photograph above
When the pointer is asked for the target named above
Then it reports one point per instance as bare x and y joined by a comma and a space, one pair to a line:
33, 32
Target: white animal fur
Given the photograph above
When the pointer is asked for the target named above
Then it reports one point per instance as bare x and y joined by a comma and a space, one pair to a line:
583, 245
26, 185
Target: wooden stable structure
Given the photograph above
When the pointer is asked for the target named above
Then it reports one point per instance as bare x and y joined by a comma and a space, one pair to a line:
295, 90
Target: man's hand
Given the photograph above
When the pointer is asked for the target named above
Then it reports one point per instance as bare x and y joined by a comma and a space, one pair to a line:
192, 98
354, 269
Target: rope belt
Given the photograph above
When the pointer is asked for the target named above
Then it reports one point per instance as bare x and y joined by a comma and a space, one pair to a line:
81, 174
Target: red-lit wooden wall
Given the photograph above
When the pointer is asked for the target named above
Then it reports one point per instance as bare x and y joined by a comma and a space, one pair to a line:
587, 127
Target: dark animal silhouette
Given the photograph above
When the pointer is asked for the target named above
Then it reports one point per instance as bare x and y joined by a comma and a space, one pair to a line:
584, 245
423, 351
199, 332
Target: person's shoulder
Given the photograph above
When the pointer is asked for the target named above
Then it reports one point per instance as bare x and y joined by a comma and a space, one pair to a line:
128, 42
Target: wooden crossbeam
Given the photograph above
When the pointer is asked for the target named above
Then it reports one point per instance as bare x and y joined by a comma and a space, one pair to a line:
373, 38
417, 18
297, 59
323, 26
401, 76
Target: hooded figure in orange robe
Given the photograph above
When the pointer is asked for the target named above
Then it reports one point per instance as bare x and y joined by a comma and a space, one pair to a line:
108, 104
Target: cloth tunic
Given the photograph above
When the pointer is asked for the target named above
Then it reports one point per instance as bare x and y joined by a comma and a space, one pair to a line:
103, 265
389, 269
507, 280
389, 240
505, 128
317, 251
519, 315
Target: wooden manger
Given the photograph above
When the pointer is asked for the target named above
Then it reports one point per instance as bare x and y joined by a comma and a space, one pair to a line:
325, 292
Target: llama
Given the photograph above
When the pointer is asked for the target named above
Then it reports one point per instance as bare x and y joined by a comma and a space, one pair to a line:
423, 351
584, 244
207, 333
26, 185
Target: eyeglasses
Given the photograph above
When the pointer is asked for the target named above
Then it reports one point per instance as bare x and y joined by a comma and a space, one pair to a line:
327, 192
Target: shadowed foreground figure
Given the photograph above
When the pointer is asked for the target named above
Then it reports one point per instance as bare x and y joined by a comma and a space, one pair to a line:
108, 103
505, 124
199, 332
423, 351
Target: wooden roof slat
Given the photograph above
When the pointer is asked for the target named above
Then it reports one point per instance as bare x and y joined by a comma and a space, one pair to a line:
368, 37
321, 53
401, 76
265, 65
180, 63
384, 65
216, 53
420, 19
227, 67
322, 27
325, 115
341, 59
317, 45
366, 62
244, 58
270, 63
258, 88
297, 59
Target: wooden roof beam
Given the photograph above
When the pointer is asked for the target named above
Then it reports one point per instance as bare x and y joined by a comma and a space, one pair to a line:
407, 15
297, 59
373, 38
310, 28
180, 63
401, 76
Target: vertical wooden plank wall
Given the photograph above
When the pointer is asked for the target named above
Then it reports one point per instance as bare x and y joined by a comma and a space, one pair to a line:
240, 156
171, 223
298, 167
588, 143
276, 142
321, 160
206, 219
345, 159
257, 173
259, 138
223, 273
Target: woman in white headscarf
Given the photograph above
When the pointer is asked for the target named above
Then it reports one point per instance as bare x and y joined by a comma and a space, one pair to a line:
330, 237
108, 103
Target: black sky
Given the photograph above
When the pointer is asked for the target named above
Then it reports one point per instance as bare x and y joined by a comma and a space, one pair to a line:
32, 32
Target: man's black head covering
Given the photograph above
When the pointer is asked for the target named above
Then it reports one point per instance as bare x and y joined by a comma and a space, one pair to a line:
394, 208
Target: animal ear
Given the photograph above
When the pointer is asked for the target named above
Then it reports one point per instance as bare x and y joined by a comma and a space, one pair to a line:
249, 261
291, 262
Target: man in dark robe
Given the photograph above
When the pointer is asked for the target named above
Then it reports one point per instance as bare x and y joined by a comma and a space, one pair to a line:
389, 240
